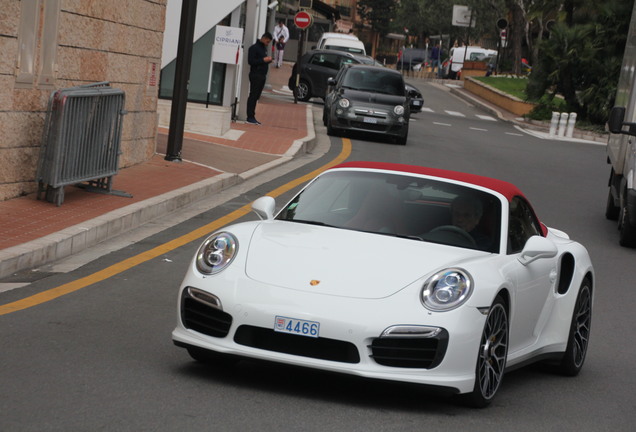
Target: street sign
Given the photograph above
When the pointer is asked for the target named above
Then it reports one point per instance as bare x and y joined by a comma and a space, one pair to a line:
462, 16
303, 20
227, 43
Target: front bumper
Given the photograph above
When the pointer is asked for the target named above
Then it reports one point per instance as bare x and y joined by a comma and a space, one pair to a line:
365, 119
350, 341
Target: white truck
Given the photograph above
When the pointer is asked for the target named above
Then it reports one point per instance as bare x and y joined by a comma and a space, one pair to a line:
341, 42
621, 146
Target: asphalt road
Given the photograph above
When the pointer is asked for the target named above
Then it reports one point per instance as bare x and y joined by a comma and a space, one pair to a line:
101, 358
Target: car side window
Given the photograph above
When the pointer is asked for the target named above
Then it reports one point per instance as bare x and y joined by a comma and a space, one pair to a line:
330, 61
522, 224
346, 61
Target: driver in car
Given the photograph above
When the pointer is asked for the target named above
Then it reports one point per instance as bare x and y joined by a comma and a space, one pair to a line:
466, 212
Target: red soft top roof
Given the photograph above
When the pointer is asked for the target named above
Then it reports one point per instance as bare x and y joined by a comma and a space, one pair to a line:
506, 189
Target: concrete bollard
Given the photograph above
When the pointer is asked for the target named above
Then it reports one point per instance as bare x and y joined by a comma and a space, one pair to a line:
563, 124
554, 124
571, 122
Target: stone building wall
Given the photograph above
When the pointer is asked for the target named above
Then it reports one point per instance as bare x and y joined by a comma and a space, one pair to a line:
119, 41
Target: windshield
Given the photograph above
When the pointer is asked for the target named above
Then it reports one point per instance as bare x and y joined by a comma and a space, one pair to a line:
374, 80
402, 206
344, 48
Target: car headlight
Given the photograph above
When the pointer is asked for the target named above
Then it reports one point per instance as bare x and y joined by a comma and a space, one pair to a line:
447, 289
398, 110
216, 253
344, 103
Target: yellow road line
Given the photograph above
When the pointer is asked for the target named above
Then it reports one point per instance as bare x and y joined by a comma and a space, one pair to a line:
143, 257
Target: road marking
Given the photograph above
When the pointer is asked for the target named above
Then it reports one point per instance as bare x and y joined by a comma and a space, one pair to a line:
478, 129
486, 117
162, 249
427, 109
442, 124
514, 134
455, 113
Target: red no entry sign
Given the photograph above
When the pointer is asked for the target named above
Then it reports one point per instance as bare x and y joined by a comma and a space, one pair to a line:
302, 20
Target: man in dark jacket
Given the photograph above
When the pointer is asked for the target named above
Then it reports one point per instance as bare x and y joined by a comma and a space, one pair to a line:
259, 63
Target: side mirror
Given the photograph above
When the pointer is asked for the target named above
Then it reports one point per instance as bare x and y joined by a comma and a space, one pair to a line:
331, 81
264, 207
537, 247
616, 119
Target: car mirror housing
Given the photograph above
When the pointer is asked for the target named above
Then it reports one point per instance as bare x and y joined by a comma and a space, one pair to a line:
264, 207
537, 247
331, 81
616, 122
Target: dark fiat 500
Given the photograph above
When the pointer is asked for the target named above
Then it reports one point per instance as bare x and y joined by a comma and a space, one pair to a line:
367, 99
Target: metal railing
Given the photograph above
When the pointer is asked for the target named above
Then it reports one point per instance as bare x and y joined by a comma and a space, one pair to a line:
81, 140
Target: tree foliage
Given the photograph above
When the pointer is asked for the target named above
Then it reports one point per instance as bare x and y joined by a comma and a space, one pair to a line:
378, 13
425, 18
575, 46
581, 59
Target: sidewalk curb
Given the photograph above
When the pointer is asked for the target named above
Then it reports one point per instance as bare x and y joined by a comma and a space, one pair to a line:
77, 238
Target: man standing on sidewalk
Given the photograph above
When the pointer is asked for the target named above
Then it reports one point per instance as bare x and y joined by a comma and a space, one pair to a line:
259, 63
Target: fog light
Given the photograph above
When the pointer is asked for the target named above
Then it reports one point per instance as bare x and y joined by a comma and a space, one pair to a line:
339, 111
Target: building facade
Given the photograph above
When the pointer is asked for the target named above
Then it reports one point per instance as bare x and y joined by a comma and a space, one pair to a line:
52, 44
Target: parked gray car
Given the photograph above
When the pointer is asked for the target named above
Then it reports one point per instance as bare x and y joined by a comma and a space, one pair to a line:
317, 66
367, 99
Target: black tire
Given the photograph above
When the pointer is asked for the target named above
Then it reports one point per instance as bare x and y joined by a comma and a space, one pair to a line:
491, 358
401, 140
331, 131
212, 358
303, 91
579, 334
324, 116
626, 229
611, 210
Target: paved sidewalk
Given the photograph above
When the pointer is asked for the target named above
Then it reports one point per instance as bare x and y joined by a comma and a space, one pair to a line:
34, 232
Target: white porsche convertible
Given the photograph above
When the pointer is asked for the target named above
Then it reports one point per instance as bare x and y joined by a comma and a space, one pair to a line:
394, 272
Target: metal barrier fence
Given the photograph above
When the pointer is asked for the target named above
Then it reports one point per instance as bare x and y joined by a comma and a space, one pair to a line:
81, 140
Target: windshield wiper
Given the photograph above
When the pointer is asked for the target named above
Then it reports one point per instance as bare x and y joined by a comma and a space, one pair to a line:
311, 222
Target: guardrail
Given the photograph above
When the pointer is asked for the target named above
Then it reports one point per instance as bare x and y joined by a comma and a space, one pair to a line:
81, 140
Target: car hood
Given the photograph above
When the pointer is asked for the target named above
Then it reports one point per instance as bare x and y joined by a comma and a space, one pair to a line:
365, 97
340, 262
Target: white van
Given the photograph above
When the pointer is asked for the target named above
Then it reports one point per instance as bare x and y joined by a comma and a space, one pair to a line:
474, 53
331, 35
341, 42
351, 46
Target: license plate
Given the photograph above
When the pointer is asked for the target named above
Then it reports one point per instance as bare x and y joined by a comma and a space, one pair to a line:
416, 103
370, 120
296, 326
